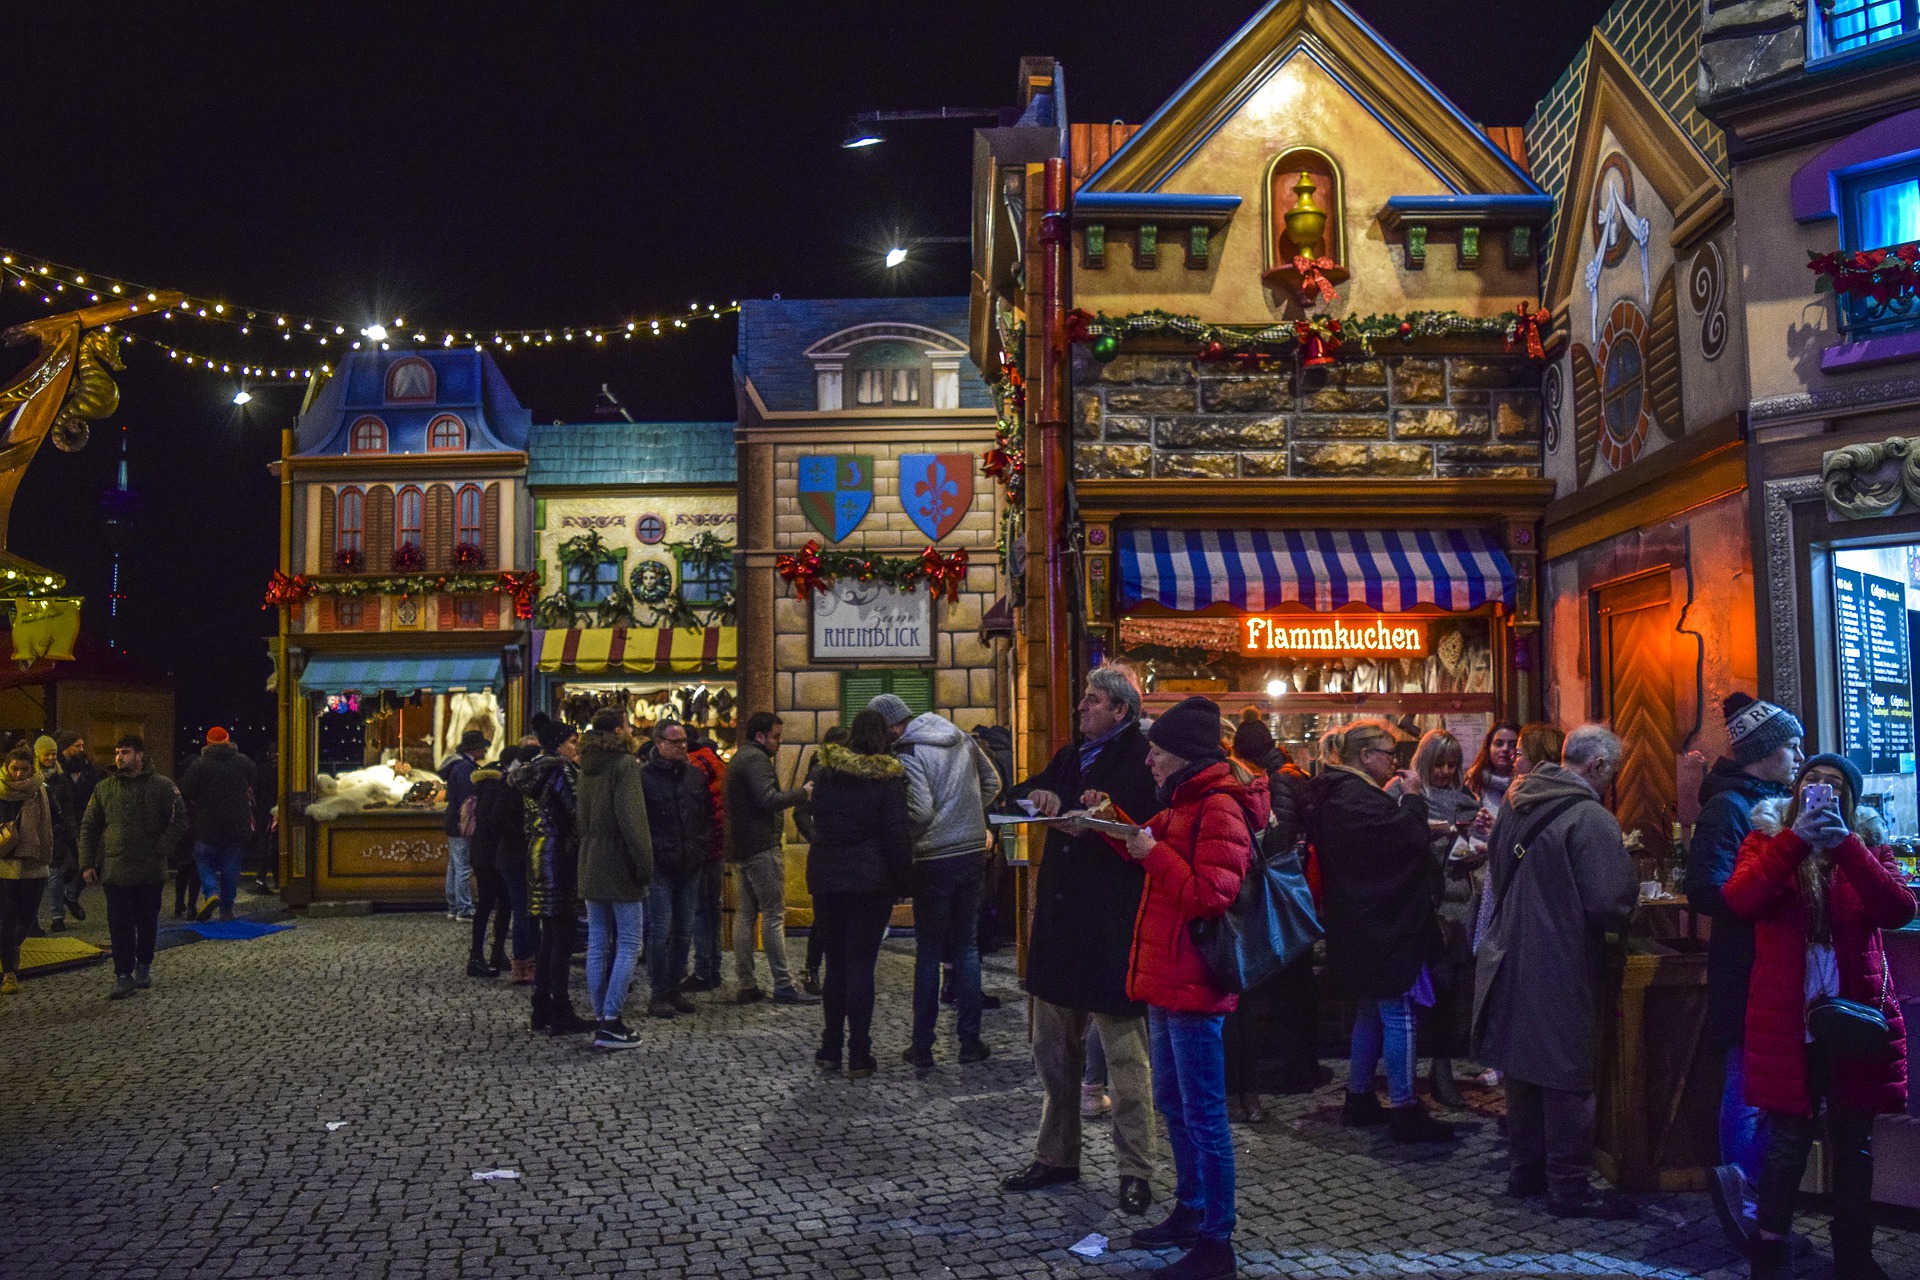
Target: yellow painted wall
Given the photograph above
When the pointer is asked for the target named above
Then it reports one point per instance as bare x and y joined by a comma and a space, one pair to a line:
614, 517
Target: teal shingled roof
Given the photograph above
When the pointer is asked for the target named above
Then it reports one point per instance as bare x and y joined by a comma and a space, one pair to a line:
622, 452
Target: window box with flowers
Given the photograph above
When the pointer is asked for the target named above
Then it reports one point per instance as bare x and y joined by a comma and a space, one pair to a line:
408, 558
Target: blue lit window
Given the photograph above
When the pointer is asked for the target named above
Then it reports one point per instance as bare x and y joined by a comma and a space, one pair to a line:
1879, 209
704, 585
593, 584
1842, 26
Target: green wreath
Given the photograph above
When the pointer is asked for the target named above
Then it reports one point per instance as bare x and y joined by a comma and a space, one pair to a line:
651, 581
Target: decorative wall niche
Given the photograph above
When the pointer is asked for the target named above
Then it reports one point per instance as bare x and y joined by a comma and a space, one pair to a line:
1306, 231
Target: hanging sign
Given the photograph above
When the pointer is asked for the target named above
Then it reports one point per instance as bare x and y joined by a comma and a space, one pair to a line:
1355, 635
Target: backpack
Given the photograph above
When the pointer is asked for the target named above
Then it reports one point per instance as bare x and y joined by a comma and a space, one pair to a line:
996, 742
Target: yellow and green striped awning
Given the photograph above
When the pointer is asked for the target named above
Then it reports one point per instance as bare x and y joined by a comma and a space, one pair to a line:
640, 650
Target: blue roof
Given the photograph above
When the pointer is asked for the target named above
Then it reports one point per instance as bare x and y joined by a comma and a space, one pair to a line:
464, 383
776, 333
621, 452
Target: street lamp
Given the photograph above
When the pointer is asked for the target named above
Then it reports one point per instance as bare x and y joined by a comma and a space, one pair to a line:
863, 130
896, 256
242, 396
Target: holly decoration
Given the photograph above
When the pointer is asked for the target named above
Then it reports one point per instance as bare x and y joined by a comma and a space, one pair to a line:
289, 589
1220, 342
348, 560
812, 569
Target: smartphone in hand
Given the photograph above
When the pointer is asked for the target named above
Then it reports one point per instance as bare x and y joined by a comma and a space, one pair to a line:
1819, 795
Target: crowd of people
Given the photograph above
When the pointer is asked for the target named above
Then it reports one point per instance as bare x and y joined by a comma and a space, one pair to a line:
66, 825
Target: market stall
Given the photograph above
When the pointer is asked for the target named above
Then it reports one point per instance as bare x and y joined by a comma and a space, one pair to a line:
650, 673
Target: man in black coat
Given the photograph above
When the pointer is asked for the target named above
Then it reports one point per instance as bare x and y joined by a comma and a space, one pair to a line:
1085, 900
218, 789
680, 819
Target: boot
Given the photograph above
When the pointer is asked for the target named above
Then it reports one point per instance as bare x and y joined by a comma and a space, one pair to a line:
1207, 1260
563, 1021
1773, 1260
1441, 1084
478, 968
542, 1014
1411, 1123
522, 973
497, 958
1852, 1251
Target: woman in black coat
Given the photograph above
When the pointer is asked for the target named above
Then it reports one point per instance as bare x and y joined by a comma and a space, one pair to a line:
500, 843
860, 863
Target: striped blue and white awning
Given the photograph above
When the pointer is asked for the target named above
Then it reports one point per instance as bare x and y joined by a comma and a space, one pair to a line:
337, 673
1257, 569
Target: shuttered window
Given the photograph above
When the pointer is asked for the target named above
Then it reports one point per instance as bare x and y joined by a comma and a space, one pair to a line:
912, 685
379, 524
490, 527
329, 504
440, 527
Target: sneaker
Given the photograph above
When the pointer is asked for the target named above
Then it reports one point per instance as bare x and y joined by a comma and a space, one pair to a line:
226, 912
206, 909
793, 995
122, 987
860, 1066
478, 968
1094, 1101
615, 1034
143, 976
660, 1008
975, 1051
9, 983
748, 995
697, 985
1362, 1111
828, 1062
75, 909
1413, 1123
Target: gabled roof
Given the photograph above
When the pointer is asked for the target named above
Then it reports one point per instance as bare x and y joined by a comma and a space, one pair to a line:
466, 383
776, 334
630, 453
1461, 157
1613, 97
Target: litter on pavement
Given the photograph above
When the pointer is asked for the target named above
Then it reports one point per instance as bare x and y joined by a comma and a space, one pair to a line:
494, 1175
1091, 1247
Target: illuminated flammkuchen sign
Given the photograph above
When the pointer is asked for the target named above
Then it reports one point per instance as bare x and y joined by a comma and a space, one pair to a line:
1354, 635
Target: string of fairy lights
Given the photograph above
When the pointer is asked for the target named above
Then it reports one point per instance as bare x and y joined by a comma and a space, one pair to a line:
319, 338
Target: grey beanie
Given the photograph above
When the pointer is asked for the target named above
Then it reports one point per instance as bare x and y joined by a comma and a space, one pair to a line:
1757, 729
892, 708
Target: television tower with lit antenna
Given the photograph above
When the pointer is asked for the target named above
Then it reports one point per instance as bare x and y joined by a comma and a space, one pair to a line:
118, 504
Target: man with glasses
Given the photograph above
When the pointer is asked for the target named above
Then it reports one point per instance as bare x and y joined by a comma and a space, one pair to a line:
680, 817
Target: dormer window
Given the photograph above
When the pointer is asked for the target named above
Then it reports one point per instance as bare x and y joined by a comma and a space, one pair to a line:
369, 436
410, 381
887, 375
446, 433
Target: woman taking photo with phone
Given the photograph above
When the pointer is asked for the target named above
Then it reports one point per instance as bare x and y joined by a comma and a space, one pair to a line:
1819, 887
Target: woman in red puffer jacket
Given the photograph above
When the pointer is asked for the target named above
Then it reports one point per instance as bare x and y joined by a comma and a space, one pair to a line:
1195, 853
1819, 897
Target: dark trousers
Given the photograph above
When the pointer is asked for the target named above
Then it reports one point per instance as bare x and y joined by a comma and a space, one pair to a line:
133, 919
851, 927
1550, 1130
513, 882
706, 926
186, 890
19, 909
946, 905
1790, 1138
551, 962
490, 901
673, 900
1240, 1039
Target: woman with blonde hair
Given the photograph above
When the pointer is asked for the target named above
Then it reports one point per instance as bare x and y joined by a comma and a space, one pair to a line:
1380, 886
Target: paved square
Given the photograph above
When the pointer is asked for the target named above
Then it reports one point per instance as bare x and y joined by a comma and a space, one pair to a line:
185, 1133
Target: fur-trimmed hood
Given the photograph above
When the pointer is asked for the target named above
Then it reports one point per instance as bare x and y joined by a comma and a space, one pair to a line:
490, 773
842, 759
1770, 818
599, 748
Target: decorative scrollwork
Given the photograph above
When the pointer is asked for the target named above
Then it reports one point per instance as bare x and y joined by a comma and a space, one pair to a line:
1707, 295
1863, 481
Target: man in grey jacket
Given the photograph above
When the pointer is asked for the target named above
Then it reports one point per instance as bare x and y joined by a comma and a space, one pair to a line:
950, 783
1562, 881
756, 826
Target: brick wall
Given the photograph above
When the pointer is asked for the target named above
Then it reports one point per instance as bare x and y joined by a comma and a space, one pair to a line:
808, 697
1395, 416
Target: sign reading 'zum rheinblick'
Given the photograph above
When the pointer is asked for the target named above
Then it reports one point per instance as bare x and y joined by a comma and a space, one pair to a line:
1358, 636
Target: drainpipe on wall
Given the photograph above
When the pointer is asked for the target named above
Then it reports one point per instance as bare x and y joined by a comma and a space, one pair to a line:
1056, 236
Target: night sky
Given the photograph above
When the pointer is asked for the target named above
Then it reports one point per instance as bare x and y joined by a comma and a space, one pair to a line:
481, 166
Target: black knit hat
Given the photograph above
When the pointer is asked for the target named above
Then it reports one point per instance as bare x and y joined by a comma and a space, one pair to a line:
1840, 765
1190, 731
553, 733
1757, 729
1252, 741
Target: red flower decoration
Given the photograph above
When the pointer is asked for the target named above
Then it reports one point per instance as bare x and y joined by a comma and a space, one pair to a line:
408, 558
348, 560
469, 555
286, 589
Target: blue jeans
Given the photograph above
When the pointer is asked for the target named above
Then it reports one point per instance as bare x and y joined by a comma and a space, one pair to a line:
1190, 1092
525, 936
706, 925
59, 898
459, 877
1743, 1129
946, 914
219, 870
1383, 1026
671, 902
613, 952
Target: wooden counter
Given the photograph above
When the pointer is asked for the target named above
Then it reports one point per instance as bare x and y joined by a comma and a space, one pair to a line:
380, 855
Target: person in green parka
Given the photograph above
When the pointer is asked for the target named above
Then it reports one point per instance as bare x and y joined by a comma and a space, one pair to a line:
133, 824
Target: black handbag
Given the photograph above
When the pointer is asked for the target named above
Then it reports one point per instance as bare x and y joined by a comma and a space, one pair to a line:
1270, 925
1848, 1029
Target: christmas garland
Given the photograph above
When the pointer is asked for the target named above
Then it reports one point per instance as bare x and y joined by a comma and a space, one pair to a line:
1880, 274
1315, 339
290, 589
814, 570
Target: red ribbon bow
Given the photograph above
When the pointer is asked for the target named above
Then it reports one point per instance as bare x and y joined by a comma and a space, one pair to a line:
1527, 323
803, 570
1313, 280
1077, 321
522, 587
944, 572
1004, 465
284, 589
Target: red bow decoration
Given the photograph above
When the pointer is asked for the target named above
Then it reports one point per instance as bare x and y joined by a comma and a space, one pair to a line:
1314, 285
1526, 327
283, 589
803, 570
1004, 465
944, 572
1077, 321
522, 587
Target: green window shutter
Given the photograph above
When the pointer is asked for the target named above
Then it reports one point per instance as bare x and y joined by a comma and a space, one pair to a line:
913, 686
620, 555
540, 567
539, 513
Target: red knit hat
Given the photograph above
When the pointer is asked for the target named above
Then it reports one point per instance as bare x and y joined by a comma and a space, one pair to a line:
215, 735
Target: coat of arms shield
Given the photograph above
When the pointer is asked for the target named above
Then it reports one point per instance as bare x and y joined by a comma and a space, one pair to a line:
836, 491
936, 489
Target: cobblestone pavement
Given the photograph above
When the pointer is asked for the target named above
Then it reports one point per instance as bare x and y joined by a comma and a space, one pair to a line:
185, 1133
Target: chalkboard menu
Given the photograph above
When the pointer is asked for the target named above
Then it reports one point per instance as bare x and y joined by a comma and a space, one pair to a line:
1876, 673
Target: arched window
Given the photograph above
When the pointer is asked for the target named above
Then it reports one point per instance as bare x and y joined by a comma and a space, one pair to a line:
369, 436
410, 381
409, 525
887, 375
468, 524
446, 432
349, 530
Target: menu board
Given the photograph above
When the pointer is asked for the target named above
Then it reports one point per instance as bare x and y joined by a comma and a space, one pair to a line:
1876, 672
